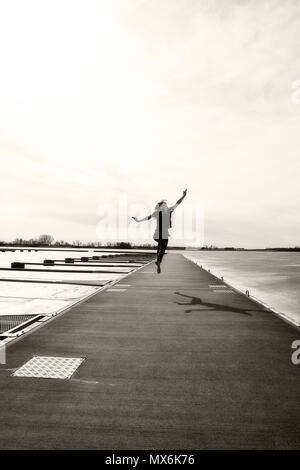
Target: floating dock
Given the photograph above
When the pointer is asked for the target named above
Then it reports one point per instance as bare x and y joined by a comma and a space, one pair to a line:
171, 361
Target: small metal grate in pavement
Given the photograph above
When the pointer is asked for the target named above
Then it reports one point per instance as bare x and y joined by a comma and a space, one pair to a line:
8, 322
50, 367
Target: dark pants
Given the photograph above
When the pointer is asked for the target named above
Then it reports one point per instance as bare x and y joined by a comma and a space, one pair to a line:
161, 247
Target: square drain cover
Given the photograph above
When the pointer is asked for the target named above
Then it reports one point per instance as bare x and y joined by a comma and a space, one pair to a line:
50, 367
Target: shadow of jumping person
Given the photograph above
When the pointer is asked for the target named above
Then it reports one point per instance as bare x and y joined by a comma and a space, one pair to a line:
213, 306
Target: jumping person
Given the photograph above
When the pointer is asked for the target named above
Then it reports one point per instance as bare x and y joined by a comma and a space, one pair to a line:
162, 214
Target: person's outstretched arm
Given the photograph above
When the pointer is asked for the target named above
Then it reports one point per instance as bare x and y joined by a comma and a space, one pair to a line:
142, 220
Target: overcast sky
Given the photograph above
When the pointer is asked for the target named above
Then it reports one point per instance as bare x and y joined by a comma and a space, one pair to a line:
101, 100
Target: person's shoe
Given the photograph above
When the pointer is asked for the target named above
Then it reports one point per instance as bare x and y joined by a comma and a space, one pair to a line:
158, 266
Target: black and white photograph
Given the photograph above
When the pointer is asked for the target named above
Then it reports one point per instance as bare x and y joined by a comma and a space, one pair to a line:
150, 229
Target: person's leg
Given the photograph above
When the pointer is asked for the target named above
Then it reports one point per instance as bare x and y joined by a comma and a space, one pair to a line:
162, 249
158, 246
157, 262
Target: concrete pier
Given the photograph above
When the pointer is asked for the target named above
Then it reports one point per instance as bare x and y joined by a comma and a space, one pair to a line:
176, 360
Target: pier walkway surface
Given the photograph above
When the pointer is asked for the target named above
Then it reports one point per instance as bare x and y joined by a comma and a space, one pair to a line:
171, 361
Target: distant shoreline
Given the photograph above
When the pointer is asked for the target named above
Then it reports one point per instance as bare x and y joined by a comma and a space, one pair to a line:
128, 246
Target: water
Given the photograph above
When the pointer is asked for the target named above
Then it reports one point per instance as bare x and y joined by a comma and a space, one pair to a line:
26, 298
272, 277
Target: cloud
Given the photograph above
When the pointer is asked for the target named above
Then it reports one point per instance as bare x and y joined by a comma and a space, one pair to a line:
143, 98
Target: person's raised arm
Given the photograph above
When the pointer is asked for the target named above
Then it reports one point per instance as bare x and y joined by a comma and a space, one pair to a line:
181, 199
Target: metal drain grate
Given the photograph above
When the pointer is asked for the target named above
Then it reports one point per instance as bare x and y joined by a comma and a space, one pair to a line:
8, 322
50, 367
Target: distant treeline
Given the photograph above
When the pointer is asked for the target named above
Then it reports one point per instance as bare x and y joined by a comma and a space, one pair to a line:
48, 241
